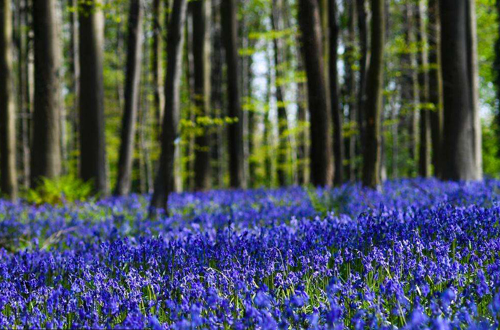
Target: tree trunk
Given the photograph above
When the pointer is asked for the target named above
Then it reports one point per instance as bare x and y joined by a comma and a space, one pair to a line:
423, 81
279, 62
8, 173
132, 84
319, 107
473, 66
363, 45
458, 142
46, 149
409, 87
23, 105
351, 89
74, 71
373, 105
217, 103
235, 130
156, 52
202, 91
175, 47
93, 141
338, 139
435, 86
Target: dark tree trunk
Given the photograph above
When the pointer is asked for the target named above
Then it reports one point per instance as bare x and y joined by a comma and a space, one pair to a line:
202, 91
46, 148
409, 87
363, 45
458, 141
24, 98
423, 81
92, 141
338, 140
156, 54
279, 62
132, 84
175, 47
373, 105
235, 130
8, 173
217, 104
351, 88
321, 163
435, 86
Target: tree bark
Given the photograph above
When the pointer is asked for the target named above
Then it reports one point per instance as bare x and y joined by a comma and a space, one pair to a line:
423, 81
319, 107
156, 52
217, 99
458, 140
175, 47
8, 172
363, 45
74, 70
24, 98
351, 88
46, 148
473, 71
132, 85
338, 139
235, 130
279, 62
373, 105
92, 141
435, 86
202, 91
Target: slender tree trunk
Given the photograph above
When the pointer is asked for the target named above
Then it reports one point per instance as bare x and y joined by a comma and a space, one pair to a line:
338, 139
363, 45
132, 84
46, 150
373, 105
409, 86
473, 71
252, 118
74, 70
8, 172
458, 143
93, 146
202, 90
23, 105
217, 104
319, 107
423, 80
235, 130
157, 50
351, 88
278, 25
175, 47
435, 86
268, 134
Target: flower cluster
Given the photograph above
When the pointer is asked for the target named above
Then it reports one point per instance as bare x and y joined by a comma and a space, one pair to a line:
420, 254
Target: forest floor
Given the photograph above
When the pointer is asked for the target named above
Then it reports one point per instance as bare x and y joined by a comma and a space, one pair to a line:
420, 254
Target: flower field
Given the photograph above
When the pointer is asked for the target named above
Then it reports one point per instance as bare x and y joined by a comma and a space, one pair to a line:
419, 255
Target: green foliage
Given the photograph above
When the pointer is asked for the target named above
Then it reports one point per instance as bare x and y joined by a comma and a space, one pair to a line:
66, 189
324, 202
491, 150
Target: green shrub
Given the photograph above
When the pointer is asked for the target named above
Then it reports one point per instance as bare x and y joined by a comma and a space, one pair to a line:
65, 189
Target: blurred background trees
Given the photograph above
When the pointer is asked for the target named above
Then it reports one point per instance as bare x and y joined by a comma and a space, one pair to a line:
270, 92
